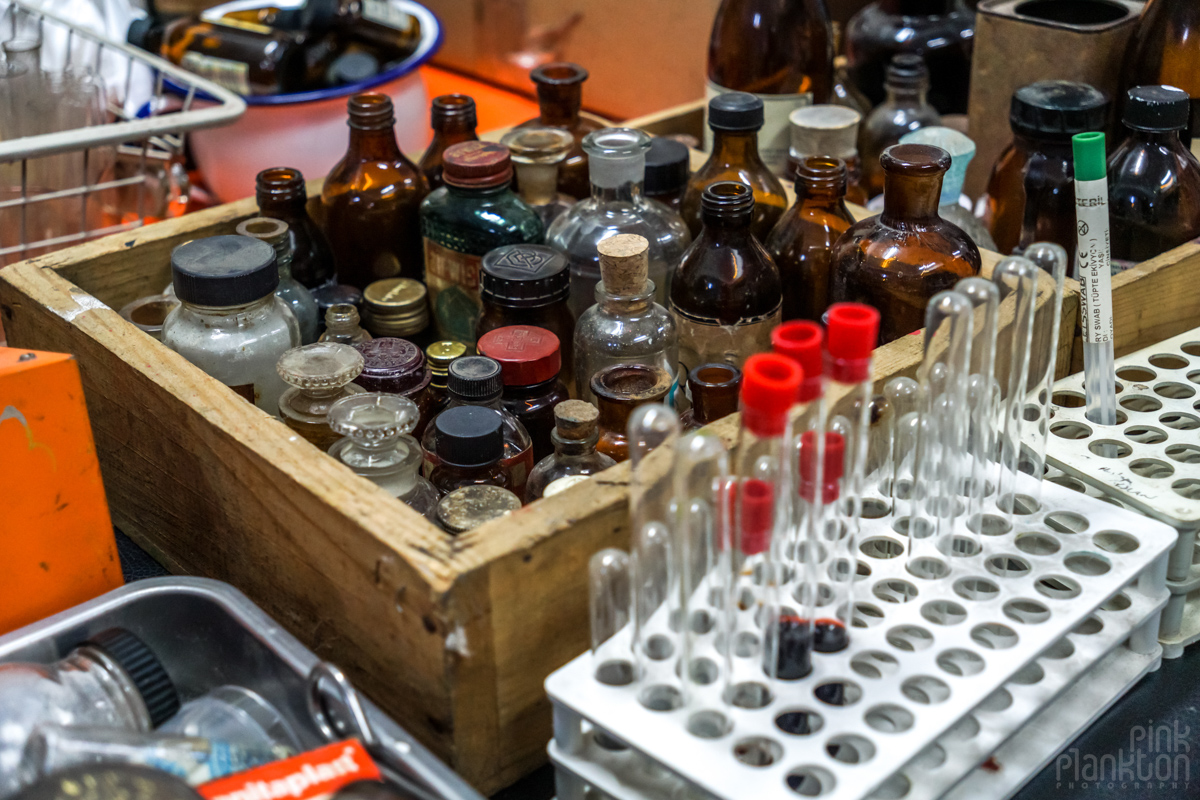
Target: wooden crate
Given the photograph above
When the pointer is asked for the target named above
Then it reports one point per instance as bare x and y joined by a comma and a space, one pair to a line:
452, 636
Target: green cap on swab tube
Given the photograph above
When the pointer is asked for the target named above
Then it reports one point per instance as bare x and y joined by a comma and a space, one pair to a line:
1089, 156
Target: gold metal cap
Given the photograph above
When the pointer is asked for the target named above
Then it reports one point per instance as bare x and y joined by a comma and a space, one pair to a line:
395, 307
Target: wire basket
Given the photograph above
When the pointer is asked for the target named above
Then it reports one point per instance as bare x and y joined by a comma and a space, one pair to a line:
69, 183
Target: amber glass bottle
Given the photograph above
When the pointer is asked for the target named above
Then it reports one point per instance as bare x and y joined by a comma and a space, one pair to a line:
372, 200
829, 130
802, 242
452, 117
470, 445
1163, 51
620, 389
282, 195
726, 296
560, 96
904, 110
901, 258
780, 51
735, 119
714, 389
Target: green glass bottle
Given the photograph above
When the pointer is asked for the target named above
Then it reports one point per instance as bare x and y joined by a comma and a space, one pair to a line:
475, 212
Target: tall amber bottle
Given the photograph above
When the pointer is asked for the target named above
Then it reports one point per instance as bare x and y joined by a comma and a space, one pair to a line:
1164, 51
726, 296
452, 117
802, 242
282, 195
901, 258
372, 200
735, 119
560, 96
780, 51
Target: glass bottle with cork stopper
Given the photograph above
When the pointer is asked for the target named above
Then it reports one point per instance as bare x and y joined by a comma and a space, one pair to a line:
802, 242
618, 390
377, 446
372, 200
576, 432
438, 358
275, 233
536, 155
560, 96
898, 260
476, 211
319, 375
904, 110
625, 326
467, 508
830, 131
397, 307
668, 167
714, 390
452, 117
341, 325
529, 363
470, 449
282, 194
735, 120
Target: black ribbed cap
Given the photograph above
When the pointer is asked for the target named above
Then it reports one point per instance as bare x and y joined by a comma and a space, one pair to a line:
526, 275
735, 111
475, 378
1157, 108
907, 70
1057, 109
224, 270
667, 167
469, 436
144, 669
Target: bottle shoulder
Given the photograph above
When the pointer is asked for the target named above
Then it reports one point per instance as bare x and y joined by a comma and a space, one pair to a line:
577, 232
906, 247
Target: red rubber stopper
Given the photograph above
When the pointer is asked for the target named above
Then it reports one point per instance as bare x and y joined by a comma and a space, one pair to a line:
853, 332
801, 341
835, 454
758, 509
770, 385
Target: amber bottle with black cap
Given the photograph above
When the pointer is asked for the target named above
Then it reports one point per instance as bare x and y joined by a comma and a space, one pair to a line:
452, 117
560, 97
282, 195
470, 447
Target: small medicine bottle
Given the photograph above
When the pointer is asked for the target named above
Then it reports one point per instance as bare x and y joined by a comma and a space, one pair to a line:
320, 374
275, 233
438, 356
529, 364
620, 389
341, 325
714, 390
332, 294
467, 508
452, 117
668, 167
574, 437
282, 195
470, 447
230, 324
536, 154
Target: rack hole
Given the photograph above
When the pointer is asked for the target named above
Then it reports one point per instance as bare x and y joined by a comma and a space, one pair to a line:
661, 697
925, 689
1141, 403
850, 749
1174, 391
708, 725
838, 693
1135, 374
1089, 627
757, 751
703, 671
1145, 434
889, 718
659, 647
1194, 376
943, 612
1066, 522
1188, 487
909, 638
1168, 361
1068, 399
967, 728
607, 742
1037, 544
989, 524
894, 590
1180, 421
1007, 566
1027, 612
873, 508
1066, 481
1184, 453
1057, 587
1118, 602
879, 547
1088, 564
975, 588
702, 622
615, 673
997, 701
1151, 468
867, 615
1109, 448
749, 694
960, 662
931, 757
964, 547
810, 781
1116, 542
896, 787
799, 722
1017, 504
928, 568
994, 636
1191, 348
1070, 429
1029, 675
874, 664
1059, 650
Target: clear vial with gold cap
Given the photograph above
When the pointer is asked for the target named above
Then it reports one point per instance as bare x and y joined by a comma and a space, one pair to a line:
275, 233
397, 307
378, 446
341, 325
536, 154
467, 508
320, 374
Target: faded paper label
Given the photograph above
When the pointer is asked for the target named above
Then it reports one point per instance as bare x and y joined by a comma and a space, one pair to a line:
1092, 264
452, 279
233, 75
703, 341
775, 138
386, 13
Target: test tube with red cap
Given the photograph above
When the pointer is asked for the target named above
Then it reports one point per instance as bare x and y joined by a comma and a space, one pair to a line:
1051, 258
982, 399
1015, 277
609, 604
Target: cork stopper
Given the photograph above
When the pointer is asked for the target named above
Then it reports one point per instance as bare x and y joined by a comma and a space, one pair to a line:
575, 419
624, 263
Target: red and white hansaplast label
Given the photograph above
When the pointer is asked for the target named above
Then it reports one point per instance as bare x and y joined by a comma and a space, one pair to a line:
313, 775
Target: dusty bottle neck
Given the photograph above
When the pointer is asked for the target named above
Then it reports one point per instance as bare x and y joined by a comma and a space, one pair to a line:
559, 104
574, 448
625, 305
537, 182
909, 96
281, 191
911, 198
374, 144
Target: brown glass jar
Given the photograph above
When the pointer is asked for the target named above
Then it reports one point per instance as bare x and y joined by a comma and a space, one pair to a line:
372, 200
714, 389
282, 195
560, 96
529, 363
452, 117
470, 446
396, 366
620, 389
529, 284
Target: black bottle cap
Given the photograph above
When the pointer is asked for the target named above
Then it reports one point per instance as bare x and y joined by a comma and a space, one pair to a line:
1057, 109
735, 111
223, 271
667, 167
353, 68
907, 70
475, 378
469, 436
143, 668
727, 201
526, 275
1157, 108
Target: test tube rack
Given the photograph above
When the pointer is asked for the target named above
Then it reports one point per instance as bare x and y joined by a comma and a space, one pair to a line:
939, 673
1149, 461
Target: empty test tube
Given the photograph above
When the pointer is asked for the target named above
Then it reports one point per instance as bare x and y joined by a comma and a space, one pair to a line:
1051, 258
609, 599
981, 394
1016, 278
904, 402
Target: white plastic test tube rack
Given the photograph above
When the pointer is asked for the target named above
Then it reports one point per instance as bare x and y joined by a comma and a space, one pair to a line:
928, 664
1148, 461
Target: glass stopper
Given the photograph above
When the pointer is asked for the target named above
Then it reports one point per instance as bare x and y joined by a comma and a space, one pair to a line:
324, 365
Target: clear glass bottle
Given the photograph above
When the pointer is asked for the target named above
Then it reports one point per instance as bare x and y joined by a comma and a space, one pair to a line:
844, 92
900, 259
470, 449
230, 324
626, 325
1153, 180
560, 96
378, 446
618, 167
1162, 51
714, 389
304, 306
950, 208
529, 362
282, 194
397, 307
334, 294
536, 156
828, 131
452, 117
905, 109
372, 200
802, 243
727, 295
1031, 192
668, 167
620, 389
341, 325
576, 432
477, 381
466, 508
320, 374
735, 120
438, 356
239, 716
476, 211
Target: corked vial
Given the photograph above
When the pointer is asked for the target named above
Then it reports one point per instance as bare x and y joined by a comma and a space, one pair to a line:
469, 507
625, 264
575, 435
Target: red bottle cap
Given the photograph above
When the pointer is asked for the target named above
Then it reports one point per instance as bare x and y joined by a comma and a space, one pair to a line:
801, 342
770, 385
527, 355
835, 454
476, 165
758, 507
853, 332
